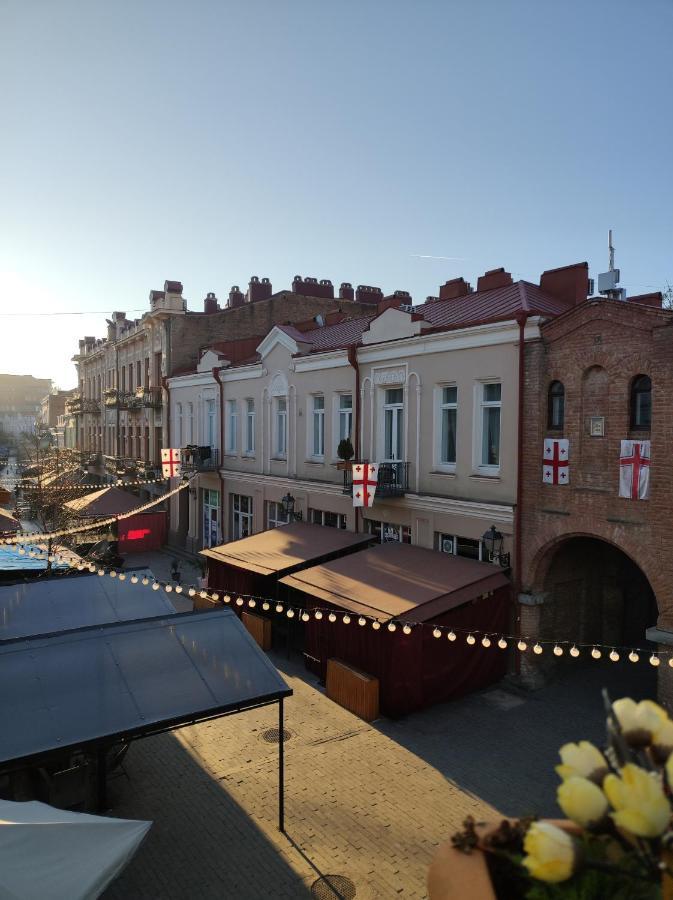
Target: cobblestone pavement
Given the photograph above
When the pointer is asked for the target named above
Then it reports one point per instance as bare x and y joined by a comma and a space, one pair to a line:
357, 805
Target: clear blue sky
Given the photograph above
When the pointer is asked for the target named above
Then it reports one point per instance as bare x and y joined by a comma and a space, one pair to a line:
209, 141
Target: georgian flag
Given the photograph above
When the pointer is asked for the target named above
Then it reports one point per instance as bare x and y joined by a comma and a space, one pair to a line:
171, 462
634, 470
365, 476
555, 467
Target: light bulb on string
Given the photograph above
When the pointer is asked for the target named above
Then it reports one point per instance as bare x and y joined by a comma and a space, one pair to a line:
633, 656
227, 598
522, 645
376, 624
305, 617
670, 661
318, 614
191, 592
502, 643
392, 627
346, 619
362, 621
239, 601
156, 586
214, 597
406, 629
279, 607
134, 579
574, 652
486, 641
451, 636
253, 603
614, 656
168, 588
122, 576
654, 660
290, 613
178, 588
537, 649
266, 606
596, 653
436, 633
332, 617
471, 639
101, 572
203, 594
558, 651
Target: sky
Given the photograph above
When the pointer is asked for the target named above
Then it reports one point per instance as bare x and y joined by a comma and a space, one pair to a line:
210, 141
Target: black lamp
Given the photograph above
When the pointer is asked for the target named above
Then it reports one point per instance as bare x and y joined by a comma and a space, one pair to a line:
287, 504
493, 540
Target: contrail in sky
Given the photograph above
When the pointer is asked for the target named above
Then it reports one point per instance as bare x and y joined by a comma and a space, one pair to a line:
427, 256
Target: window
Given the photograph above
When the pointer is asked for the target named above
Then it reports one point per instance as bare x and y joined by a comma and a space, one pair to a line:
449, 413
318, 444
190, 423
281, 427
179, 424
555, 406
490, 424
211, 439
232, 426
389, 533
138, 374
241, 516
472, 548
324, 517
131, 377
250, 427
274, 514
211, 518
345, 416
641, 402
393, 422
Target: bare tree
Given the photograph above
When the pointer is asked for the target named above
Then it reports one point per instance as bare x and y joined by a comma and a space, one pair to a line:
667, 295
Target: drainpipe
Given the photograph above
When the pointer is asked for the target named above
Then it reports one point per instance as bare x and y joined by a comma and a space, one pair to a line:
167, 420
353, 360
216, 376
521, 321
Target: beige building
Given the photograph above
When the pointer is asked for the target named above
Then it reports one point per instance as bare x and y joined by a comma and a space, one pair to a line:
431, 393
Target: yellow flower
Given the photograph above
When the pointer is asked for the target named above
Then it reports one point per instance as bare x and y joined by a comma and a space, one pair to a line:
582, 759
639, 801
639, 721
662, 742
582, 801
550, 852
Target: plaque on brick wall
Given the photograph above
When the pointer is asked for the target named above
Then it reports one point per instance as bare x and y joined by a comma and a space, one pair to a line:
597, 426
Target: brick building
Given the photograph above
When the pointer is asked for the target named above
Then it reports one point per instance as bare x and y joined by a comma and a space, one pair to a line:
596, 566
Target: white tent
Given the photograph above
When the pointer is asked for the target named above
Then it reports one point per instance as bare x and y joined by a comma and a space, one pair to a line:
51, 854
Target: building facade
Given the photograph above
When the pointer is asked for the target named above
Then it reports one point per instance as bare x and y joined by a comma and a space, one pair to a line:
20, 403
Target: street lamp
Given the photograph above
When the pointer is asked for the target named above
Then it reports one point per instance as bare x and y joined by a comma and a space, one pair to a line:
287, 504
493, 540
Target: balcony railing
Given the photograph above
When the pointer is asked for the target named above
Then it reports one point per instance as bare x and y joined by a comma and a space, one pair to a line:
120, 465
73, 405
195, 459
393, 479
91, 406
152, 397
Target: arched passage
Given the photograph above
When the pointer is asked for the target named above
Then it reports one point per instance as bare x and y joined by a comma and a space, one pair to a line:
594, 593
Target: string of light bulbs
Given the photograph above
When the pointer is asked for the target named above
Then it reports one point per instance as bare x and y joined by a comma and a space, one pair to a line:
472, 637
31, 537
68, 487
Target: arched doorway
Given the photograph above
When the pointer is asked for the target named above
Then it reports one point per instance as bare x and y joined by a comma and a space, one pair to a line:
594, 593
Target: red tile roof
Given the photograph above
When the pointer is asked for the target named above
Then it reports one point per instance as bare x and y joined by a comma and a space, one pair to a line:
491, 306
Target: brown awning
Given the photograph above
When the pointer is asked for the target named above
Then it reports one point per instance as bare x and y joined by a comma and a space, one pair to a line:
398, 581
8, 524
109, 501
286, 548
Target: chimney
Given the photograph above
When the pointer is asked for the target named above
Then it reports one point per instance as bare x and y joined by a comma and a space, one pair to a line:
365, 293
311, 287
210, 304
258, 290
236, 297
82, 344
569, 283
456, 287
653, 299
346, 291
494, 278
396, 299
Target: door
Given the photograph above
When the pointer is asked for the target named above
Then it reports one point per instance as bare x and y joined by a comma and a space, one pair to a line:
393, 424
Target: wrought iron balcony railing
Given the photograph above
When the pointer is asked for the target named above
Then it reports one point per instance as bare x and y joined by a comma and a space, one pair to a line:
91, 406
152, 397
200, 459
73, 405
393, 479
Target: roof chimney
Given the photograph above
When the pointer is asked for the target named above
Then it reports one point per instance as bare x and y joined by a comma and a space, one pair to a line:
311, 287
365, 293
494, 278
569, 283
236, 297
346, 291
258, 290
653, 299
210, 304
456, 287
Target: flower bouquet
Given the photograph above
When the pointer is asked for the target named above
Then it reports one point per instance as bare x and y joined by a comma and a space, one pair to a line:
618, 842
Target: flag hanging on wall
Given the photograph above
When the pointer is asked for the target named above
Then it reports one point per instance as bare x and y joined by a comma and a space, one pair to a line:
555, 467
365, 476
171, 462
634, 470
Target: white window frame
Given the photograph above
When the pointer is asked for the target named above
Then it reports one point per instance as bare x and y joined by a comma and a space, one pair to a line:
180, 426
441, 536
280, 428
441, 407
481, 405
232, 426
396, 409
345, 414
318, 517
208, 508
317, 447
190, 422
249, 427
274, 514
241, 519
384, 530
210, 423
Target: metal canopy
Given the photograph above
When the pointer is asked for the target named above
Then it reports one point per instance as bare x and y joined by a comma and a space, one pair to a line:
127, 680
64, 602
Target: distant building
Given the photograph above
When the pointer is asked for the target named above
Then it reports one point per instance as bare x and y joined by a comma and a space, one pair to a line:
20, 402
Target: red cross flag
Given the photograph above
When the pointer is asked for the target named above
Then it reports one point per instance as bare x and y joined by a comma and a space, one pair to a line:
634, 470
555, 468
171, 462
365, 476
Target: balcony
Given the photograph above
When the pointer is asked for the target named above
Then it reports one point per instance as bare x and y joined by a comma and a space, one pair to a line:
120, 465
151, 397
193, 459
73, 405
91, 406
393, 480
111, 397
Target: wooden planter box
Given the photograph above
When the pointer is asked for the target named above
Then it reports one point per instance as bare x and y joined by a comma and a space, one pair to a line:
356, 691
259, 628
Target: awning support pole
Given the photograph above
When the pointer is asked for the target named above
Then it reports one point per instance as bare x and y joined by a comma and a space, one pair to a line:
281, 768
101, 779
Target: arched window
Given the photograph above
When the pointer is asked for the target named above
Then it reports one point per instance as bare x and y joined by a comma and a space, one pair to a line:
555, 405
641, 402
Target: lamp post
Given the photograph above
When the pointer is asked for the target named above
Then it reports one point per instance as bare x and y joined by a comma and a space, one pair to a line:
287, 504
493, 540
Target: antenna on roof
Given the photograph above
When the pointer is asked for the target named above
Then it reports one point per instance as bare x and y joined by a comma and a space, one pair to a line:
608, 281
